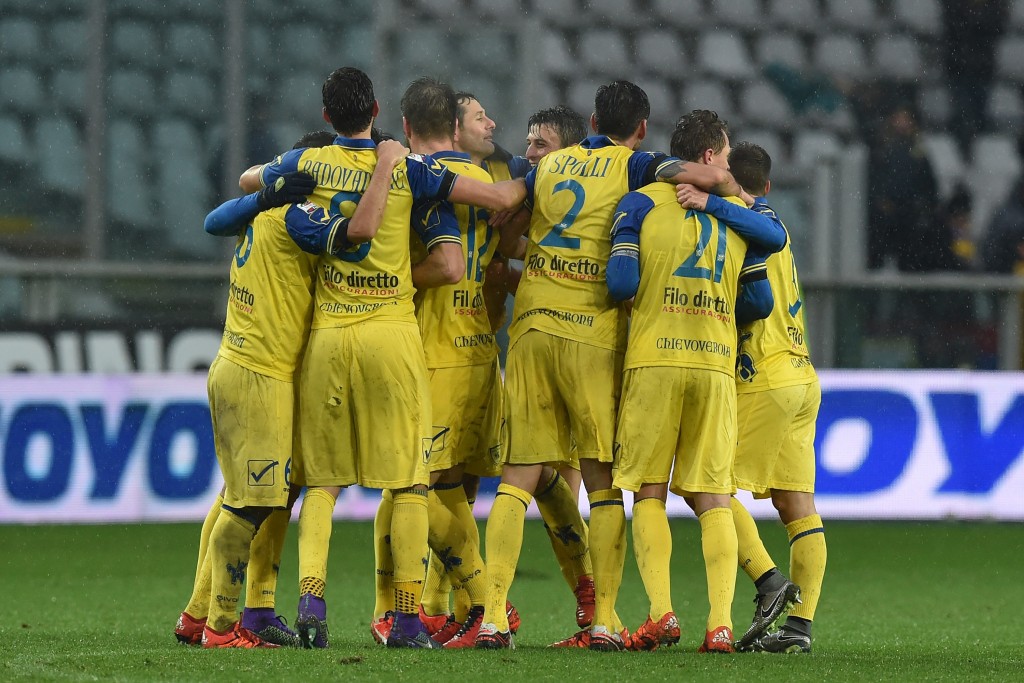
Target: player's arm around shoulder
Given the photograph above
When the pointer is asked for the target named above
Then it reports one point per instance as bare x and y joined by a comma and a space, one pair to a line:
764, 231
370, 210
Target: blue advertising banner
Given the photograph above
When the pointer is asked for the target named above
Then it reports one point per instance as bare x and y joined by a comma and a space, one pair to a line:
139, 447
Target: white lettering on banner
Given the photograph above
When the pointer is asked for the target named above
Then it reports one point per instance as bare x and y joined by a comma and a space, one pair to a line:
124, 448
108, 351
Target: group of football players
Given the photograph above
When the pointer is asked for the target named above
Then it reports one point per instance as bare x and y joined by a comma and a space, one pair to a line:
656, 344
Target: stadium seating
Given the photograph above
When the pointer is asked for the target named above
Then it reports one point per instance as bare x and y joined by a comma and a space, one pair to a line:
20, 41
129, 195
682, 14
21, 90
723, 55
1010, 57
604, 51
662, 53
131, 92
68, 41
191, 93
57, 142
840, 54
898, 57
68, 88
136, 43
923, 17
762, 103
782, 47
15, 150
798, 15
853, 15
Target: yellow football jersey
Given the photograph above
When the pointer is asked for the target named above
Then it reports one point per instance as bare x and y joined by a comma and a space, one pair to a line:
773, 352
453, 318
270, 300
690, 265
573, 193
372, 279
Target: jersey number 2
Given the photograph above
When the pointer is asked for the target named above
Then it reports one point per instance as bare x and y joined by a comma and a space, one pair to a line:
555, 238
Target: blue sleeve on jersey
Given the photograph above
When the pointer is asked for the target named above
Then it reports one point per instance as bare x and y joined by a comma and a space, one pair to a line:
623, 273
518, 167
231, 217
435, 222
643, 168
286, 163
755, 301
758, 228
314, 230
426, 177
531, 180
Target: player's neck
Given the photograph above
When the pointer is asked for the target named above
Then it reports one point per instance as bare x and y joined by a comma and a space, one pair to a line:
430, 146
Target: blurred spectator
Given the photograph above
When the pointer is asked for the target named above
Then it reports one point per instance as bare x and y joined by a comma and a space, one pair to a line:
903, 194
972, 29
1003, 250
946, 242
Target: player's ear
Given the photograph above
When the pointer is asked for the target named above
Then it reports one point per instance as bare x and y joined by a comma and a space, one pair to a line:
767, 186
326, 117
405, 127
641, 131
376, 109
593, 122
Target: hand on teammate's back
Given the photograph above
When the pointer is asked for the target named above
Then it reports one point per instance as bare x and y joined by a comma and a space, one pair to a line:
689, 197
391, 152
290, 188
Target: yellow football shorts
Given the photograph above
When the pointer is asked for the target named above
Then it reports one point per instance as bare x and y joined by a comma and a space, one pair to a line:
466, 420
557, 392
252, 433
676, 426
775, 449
364, 407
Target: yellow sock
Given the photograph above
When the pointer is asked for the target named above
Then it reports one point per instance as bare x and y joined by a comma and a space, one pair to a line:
807, 556
437, 589
229, 556
384, 564
454, 499
753, 556
607, 553
459, 555
504, 543
652, 545
718, 541
566, 529
199, 603
315, 540
409, 527
265, 560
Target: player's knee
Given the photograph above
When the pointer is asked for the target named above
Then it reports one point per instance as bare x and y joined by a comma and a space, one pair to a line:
793, 505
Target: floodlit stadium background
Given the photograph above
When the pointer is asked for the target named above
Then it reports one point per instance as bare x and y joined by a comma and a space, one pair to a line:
122, 122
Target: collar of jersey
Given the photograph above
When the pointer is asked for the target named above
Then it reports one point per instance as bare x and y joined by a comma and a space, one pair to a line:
451, 154
355, 143
596, 141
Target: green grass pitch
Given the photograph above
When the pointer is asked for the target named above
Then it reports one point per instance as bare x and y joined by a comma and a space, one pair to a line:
901, 602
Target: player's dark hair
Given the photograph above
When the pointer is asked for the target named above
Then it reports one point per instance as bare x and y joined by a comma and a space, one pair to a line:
697, 131
348, 99
428, 106
462, 98
568, 124
751, 166
619, 107
316, 138
378, 136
